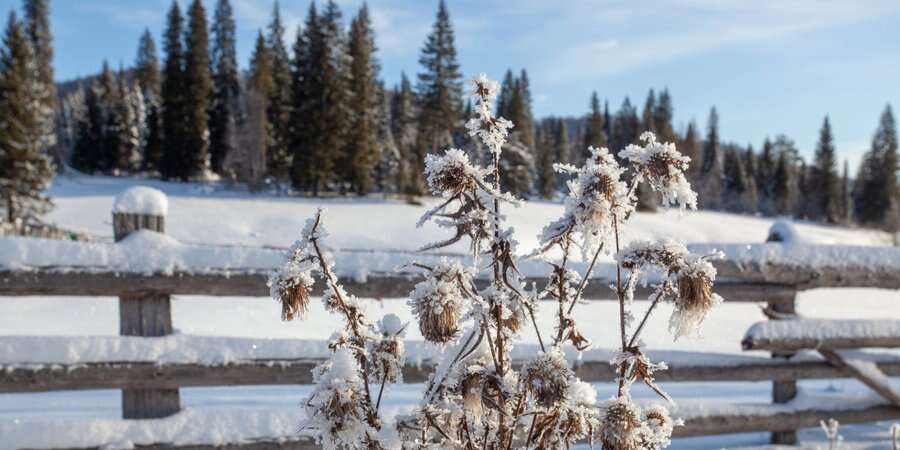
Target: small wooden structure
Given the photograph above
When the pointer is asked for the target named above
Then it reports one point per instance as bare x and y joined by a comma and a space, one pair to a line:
144, 313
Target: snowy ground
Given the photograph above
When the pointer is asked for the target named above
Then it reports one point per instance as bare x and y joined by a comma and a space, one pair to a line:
204, 214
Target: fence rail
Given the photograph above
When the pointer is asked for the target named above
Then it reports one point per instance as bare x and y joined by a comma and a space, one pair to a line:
145, 296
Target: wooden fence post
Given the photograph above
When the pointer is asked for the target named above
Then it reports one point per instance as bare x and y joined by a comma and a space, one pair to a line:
783, 391
144, 314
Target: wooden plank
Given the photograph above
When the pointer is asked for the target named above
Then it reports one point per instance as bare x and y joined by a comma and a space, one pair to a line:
876, 381
148, 314
253, 284
774, 421
783, 391
128, 375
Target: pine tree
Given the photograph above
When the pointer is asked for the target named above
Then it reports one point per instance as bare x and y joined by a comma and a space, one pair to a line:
824, 186
765, 174
248, 160
25, 169
363, 150
525, 116
153, 141
439, 88
546, 179
174, 111
648, 121
146, 68
40, 39
403, 127
690, 146
626, 127
504, 98
89, 132
846, 203
198, 86
111, 120
130, 118
280, 101
877, 190
224, 109
738, 189
711, 168
781, 185
662, 118
320, 102
389, 173
593, 136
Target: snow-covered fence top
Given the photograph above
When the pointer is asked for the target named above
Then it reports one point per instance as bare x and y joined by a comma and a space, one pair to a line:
813, 334
146, 260
141, 200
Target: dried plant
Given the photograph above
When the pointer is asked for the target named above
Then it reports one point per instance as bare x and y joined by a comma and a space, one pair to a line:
832, 433
476, 398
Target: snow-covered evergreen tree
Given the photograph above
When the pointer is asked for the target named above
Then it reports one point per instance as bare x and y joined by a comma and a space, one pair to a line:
280, 103
25, 167
824, 193
363, 151
405, 132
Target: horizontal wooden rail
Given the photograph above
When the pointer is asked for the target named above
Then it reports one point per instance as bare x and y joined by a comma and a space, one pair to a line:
253, 284
786, 420
132, 375
755, 420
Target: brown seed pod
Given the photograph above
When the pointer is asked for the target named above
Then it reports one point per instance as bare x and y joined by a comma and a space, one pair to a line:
547, 377
620, 428
439, 324
294, 300
695, 292
454, 179
386, 361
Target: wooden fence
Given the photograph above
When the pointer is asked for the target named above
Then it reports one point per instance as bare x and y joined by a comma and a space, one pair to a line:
151, 390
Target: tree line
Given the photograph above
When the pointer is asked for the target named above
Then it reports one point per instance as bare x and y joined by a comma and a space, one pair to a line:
315, 117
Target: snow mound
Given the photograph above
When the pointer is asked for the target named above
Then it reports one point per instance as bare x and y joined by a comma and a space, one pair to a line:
141, 200
782, 230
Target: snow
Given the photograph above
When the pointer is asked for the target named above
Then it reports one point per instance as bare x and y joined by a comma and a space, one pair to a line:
369, 234
782, 230
141, 200
812, 329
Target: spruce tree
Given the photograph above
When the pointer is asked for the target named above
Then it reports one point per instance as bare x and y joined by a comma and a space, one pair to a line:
765, 173
334, 70
593, 136
363, 151
648, 121
248, 160
88, 132
130, 118
626, 127
111, 107
40, 39
224, 108
25, 169
146, 68
439, 88
153, 141
824, 186
546, 179
198, 86
403, 127
846, 203
690, 146
711, 167
876, 198
173, 97
525, 125
389, 172
662, 118
504, 98
280, 100
781, 185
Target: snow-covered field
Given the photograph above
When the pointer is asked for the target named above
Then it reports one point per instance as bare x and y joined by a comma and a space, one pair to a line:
213, 215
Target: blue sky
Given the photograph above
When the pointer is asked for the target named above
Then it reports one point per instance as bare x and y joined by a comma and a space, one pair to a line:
770, 66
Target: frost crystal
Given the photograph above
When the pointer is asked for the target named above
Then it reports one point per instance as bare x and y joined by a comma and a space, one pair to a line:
695, 296
334, 407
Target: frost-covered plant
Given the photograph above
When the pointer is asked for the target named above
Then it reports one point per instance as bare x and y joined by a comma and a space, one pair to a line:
832, 433
476, 398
